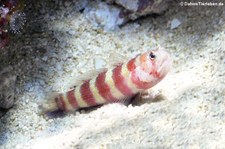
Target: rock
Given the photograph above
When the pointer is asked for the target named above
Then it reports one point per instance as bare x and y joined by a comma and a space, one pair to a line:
174, 23
45, 58
7, 88
105, 16
134, 9
114, 13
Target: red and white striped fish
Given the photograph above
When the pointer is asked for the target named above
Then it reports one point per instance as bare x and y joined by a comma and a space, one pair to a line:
117, 84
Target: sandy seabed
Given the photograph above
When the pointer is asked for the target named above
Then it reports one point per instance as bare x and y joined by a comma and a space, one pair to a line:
58, 44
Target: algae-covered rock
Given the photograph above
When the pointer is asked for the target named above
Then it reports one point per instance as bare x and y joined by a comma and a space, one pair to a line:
133, 9
110, 14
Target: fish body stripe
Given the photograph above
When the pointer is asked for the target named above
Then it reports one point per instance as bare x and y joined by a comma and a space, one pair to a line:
68, 106
133, 80
71, 98
131, 64
60, 102
113, 89
81, 102
127, 75
96, 93
87, 94
103, 87
120, 81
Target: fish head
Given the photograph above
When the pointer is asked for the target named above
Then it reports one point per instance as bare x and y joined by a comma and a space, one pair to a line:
155, 64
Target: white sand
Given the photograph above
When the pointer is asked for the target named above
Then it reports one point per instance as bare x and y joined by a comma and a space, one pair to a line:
59, 45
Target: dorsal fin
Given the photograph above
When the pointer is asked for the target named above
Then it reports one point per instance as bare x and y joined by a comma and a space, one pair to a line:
86, 76
116, 59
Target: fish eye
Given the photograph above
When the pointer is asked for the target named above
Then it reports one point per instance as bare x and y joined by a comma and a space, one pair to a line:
152, 56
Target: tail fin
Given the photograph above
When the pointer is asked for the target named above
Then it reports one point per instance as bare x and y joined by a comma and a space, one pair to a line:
50, 109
